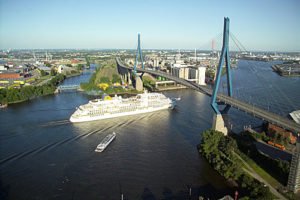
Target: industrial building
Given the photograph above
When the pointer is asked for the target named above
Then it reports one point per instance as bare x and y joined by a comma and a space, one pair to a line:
190, 73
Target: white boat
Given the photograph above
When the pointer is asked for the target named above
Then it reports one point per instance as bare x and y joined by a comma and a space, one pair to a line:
3, 105
98, 109
105, 142
295, 115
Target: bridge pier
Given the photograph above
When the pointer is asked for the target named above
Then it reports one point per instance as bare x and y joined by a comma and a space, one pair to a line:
219, 124
129, 78
138, 83
124, 76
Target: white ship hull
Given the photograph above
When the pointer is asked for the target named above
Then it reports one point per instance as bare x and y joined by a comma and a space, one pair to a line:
98, 109
107, 115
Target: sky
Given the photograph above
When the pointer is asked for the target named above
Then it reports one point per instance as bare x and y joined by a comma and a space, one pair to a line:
260, 25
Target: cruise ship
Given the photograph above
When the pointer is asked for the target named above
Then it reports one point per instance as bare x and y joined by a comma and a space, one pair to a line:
105, 142
117, 106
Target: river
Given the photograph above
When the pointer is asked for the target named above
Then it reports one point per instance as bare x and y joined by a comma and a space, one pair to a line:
154, 156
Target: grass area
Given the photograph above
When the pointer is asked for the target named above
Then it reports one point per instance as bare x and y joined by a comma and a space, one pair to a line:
45, 77
245, 166
261, 172
106, 79
108, 69
41, 79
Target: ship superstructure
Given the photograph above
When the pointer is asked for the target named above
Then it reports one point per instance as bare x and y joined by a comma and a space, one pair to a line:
117, 106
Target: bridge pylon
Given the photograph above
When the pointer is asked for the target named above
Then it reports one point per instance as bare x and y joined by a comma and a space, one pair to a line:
138, 54
138, 78
218, 121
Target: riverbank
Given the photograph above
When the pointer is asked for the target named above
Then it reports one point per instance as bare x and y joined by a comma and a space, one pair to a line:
25, 93
271, 172
73, 74
221, 152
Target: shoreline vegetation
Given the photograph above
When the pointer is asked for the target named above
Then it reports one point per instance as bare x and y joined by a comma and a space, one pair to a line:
25, 93
224, 155
45, 85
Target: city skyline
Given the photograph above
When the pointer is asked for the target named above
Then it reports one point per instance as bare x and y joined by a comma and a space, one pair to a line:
259, 25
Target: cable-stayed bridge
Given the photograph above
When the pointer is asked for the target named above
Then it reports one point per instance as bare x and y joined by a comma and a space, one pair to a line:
240, 105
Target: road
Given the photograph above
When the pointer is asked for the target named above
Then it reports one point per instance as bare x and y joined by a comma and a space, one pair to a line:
273, 152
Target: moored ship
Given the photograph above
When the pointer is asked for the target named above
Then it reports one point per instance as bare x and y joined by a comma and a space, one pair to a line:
117, 106
295, 115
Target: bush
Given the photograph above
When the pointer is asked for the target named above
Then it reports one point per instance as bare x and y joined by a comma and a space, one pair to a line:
254, 189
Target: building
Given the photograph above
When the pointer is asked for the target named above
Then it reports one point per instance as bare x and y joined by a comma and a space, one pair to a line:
3, 67
10, 75
44, 68
201, 75
182, 72
294, 175
190, 73
273, 130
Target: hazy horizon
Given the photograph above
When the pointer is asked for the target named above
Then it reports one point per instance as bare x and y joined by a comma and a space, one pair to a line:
269, 26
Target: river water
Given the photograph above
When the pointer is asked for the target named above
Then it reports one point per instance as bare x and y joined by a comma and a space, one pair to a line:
154, 156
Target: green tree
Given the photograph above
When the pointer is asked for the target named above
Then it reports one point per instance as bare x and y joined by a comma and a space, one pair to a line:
210, 142
219, 151
43, 73
80, 67
53, 72
3, 96
48, 65
87, 61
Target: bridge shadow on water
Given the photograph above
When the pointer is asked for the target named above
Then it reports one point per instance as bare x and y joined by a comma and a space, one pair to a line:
206, 191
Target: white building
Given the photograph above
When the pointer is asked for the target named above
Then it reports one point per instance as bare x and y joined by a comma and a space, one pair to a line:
2, 67
60, 68
201, 75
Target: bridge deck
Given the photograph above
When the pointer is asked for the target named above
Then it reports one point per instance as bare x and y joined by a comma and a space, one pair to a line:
68, 87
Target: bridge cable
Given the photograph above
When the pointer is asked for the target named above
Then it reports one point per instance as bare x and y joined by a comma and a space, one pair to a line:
207, 44
255, 72
240, 47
